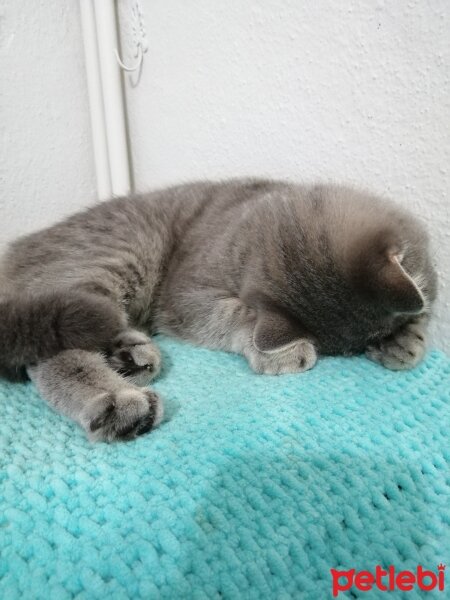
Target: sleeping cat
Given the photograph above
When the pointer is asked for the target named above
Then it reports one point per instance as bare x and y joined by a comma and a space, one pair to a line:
280, 273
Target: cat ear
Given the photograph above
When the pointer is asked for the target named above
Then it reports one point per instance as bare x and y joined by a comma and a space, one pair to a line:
398, 290
379, 272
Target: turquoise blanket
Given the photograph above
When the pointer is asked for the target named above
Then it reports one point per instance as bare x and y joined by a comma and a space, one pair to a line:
254, 487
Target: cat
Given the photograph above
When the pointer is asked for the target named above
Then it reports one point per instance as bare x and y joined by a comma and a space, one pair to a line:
277, 272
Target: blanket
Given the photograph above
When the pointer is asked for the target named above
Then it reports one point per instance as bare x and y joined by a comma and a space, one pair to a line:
253, 487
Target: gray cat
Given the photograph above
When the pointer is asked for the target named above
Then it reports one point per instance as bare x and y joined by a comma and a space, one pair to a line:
277, 272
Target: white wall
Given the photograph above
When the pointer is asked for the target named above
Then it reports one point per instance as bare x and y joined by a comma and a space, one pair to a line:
46, 159
355, 91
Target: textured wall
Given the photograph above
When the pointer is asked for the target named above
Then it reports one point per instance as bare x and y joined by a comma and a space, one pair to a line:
46, 159
352, 91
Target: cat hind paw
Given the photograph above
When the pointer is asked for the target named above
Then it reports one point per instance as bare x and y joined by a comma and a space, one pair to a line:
123, 415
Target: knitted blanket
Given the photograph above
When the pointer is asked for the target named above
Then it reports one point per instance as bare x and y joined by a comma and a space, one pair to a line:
254, 487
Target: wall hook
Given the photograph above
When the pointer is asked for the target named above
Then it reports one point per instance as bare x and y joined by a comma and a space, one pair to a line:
139, 59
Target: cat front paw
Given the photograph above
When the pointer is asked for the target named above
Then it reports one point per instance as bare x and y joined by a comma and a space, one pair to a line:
298, 357
401, 351
135, 357
122, 415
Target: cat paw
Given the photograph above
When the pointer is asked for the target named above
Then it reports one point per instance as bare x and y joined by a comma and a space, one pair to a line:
135, 357
122, 415
402, 351
295, 358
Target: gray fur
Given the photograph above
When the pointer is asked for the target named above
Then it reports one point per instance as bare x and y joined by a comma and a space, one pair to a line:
277, 272
82, 386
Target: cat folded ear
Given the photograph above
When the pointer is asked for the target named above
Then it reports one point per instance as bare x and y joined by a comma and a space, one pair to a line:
399, 289
382, 274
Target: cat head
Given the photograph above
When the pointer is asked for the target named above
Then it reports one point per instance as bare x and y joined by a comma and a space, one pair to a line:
358, 270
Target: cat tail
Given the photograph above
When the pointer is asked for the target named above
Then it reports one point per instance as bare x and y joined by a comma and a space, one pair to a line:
34, 327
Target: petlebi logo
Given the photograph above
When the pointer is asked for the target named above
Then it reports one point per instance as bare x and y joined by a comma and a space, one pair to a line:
388, 580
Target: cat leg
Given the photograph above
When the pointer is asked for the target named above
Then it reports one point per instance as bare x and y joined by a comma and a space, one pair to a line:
134, 356
131, 352
272, 343
279, 346
82, 386
404, 349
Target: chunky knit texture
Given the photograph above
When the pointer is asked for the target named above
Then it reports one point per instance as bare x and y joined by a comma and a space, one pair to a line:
254, 487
